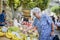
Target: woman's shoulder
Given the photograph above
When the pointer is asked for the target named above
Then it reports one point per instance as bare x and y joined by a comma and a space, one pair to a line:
45, 15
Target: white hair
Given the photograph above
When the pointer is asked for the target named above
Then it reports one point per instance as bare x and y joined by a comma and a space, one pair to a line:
35, 10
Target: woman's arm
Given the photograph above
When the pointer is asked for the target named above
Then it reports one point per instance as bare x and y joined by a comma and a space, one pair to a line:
29, 28
53, 27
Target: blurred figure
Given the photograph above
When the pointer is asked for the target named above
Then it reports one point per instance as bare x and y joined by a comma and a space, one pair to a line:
2, 18
58, 23
15, 22
25, 19
53, 18
58, 20
44, 25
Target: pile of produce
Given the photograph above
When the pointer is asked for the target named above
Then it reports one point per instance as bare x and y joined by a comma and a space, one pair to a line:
15, 33
15, 29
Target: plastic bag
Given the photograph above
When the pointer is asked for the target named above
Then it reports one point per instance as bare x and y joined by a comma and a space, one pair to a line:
4, 29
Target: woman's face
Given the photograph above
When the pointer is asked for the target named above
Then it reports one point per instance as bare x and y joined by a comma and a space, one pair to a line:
37, 15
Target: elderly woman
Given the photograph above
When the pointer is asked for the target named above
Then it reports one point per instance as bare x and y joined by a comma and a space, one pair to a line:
44, 25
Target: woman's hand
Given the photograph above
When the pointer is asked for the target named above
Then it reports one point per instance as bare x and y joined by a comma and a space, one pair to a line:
52, 33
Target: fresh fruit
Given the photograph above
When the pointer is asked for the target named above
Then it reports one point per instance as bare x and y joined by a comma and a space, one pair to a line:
9, 35
0, 30
13, 29
2, 34
23, 36
15, 38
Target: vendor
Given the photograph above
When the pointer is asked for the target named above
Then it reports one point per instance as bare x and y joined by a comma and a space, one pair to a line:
2, 18
43, 23
58, 23
25, 19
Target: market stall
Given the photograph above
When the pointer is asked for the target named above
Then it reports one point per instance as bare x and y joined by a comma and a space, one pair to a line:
16, 33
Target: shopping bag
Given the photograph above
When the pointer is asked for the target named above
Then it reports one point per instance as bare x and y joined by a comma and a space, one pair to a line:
56, 37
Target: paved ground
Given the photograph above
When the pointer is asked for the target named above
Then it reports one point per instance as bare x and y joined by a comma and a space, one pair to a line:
57, 32
4, 38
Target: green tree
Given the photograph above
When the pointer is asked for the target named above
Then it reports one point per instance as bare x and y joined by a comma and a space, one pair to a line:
43, 4
27, 4
56, 9
31, 5
13, 4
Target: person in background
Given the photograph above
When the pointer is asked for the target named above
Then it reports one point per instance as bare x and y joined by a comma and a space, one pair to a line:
44, 25
25, 19
58, 23
58, 19
53, 19
2, 18
15, 22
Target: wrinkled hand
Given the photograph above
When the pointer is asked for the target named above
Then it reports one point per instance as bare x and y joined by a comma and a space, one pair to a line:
52, 33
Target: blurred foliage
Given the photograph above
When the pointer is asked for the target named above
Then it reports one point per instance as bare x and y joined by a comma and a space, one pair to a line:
25, 3
14, 3
56, 9
43, 4
29, 4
